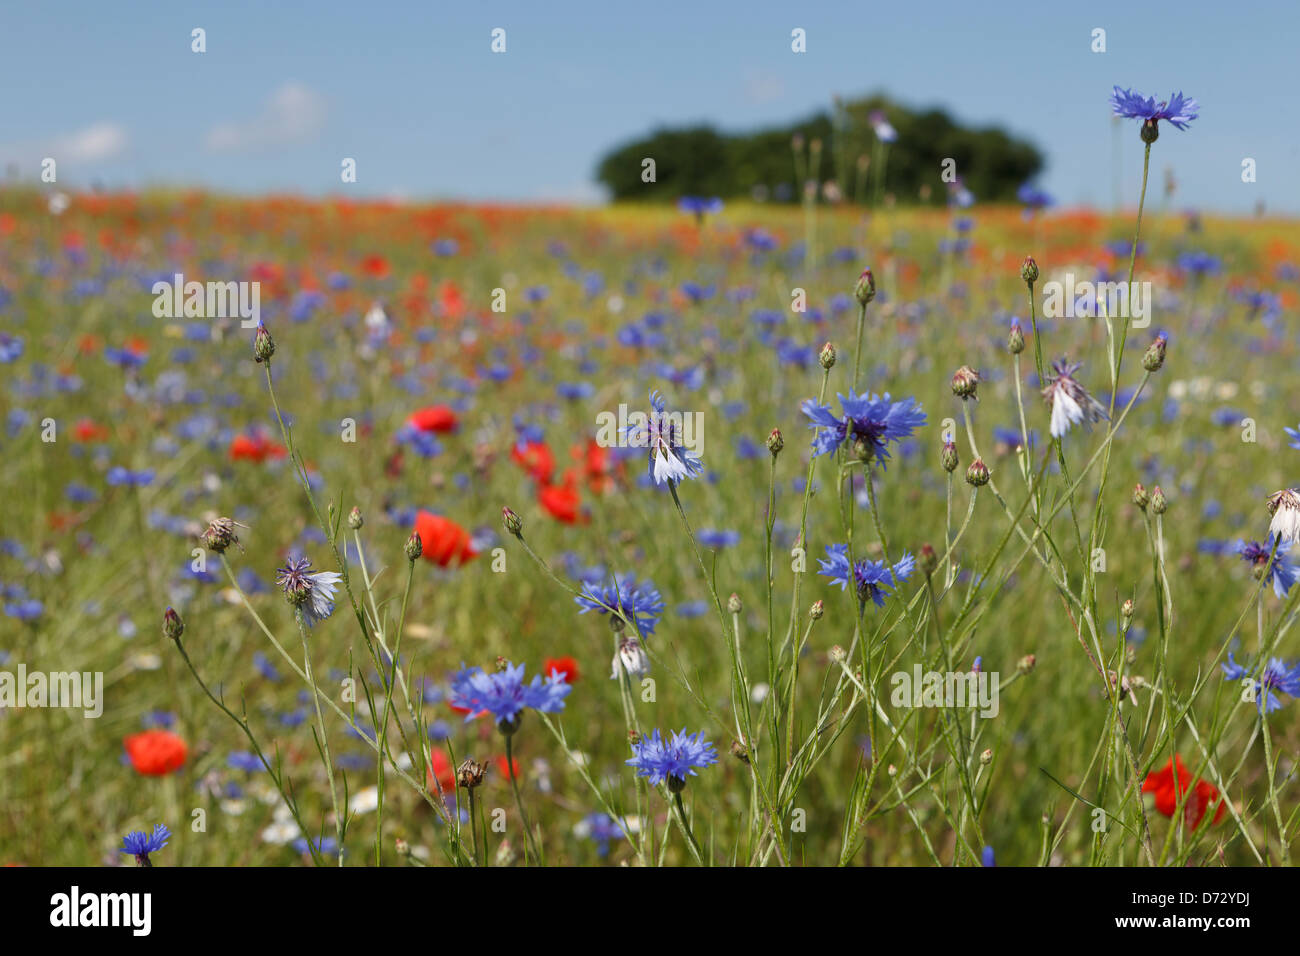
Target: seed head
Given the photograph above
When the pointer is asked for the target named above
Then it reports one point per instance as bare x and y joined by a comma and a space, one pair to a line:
219, 535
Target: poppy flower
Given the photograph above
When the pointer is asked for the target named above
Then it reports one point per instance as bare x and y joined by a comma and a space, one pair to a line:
376, 267
255, 447
504, 768
535, 457
442, 540
561, 665
595, 465
435, 418
561, 501
440, 767
1170, 784
451, 300
155, 753
87, 430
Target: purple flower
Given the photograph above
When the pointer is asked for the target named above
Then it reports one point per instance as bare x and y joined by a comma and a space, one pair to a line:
638, 604
504, 695
312, 592
140, 844
663, 433
1178, 109
875, 419
872, 579
1281, 573
672, 760
1278, 679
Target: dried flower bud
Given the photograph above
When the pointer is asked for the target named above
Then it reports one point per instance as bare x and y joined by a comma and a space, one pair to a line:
470, 774
1140, 496
838, 654
219, 535
263, 344
775, 442
817, 610
948, 457
1027, 664
986, 757
414, 547
173, 626
929, 560
733, 604
1016, 340
740, 751
1154, 357
865, 290
355, 521
513, 523
965, 381
977, 474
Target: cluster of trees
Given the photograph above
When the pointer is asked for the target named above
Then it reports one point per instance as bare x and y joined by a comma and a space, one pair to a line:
702, 161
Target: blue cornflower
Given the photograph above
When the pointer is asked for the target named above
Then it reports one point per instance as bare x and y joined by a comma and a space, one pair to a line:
874, 419
1178, 109
1278, 679
600, 828
1071, 403
672, 760
11, 348
871, 578
140, 844
699, 206
312, 592
244, 760
1282, 573
504, 695
638, 604
1294, 435
714, 538
1034, 197
117, 475
26, 610
986, 857
662, 432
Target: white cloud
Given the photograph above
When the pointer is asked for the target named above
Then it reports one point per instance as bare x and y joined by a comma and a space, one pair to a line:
92, 144
292, 114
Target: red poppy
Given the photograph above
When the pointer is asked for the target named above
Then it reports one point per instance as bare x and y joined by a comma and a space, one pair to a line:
504, 768
536, 459
561, 665
255, 447
435, 418
443, 541
450, 299
1171, 783
440, 766
86, 430
155, 753
595, 465
375, 266
561, 501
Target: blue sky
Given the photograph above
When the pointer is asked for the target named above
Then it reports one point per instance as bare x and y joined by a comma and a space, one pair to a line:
413, 92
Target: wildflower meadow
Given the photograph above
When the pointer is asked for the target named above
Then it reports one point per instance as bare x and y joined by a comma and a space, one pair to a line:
351, 532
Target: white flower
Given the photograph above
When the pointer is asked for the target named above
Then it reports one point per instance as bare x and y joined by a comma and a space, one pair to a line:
631, 657
1071, 403
1284, 506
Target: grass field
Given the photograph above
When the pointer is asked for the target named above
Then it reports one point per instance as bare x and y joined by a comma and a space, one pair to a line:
453, 360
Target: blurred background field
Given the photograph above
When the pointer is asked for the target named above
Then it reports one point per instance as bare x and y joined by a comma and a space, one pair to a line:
602, 305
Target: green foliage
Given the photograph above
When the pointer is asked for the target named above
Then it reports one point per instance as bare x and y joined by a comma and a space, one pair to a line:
701, 161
